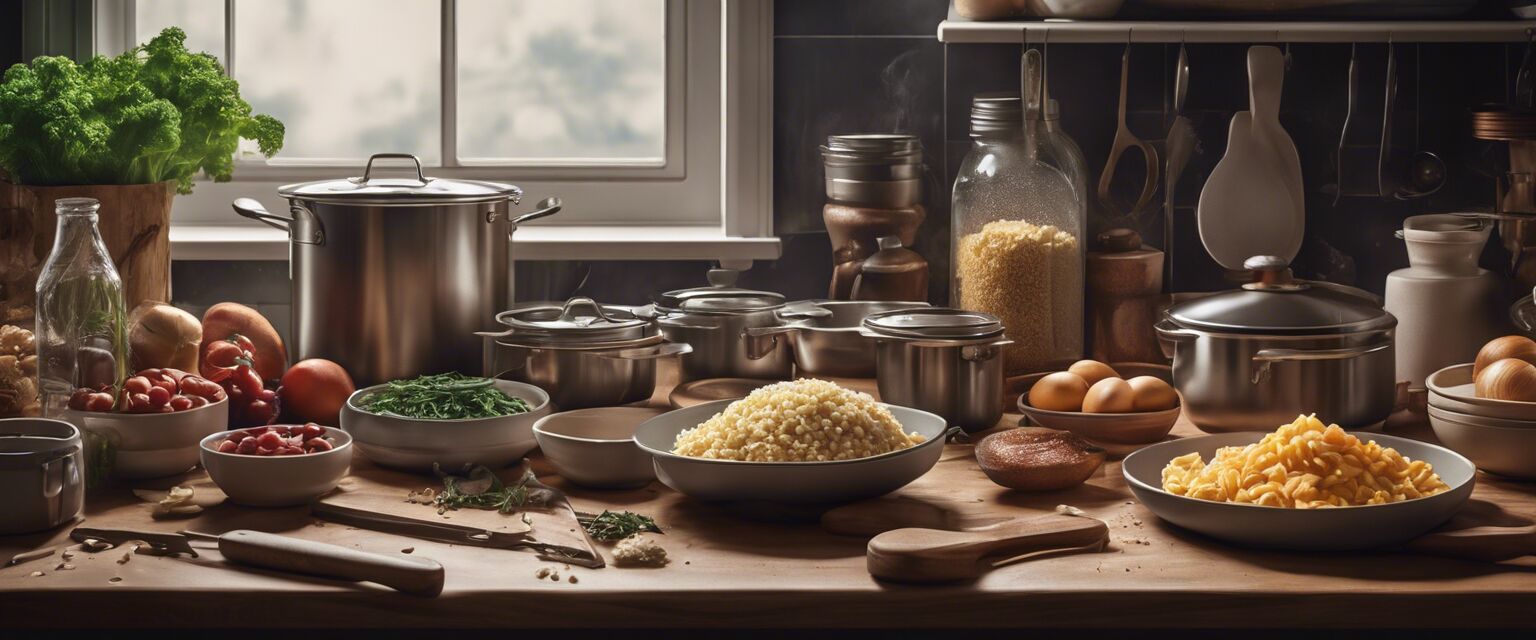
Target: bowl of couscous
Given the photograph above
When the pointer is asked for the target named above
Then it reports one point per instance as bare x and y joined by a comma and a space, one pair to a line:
801, 442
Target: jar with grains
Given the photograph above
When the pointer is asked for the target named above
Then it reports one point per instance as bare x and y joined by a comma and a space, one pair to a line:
1020, 210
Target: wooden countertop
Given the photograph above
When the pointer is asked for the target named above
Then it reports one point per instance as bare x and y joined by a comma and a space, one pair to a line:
731, 571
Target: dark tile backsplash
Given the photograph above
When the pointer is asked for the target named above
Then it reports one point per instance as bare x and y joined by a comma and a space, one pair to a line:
849, 66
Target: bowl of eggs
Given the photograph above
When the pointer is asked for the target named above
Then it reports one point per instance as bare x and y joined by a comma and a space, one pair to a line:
1093, 400
1486, 410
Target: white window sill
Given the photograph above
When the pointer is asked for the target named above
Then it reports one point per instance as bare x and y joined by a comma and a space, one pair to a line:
541, 242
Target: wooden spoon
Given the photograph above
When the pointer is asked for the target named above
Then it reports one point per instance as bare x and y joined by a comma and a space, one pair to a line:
1488, 544
874, 517
932, 555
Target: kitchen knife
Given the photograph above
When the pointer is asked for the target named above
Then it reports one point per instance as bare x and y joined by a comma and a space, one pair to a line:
453, 534
407, 574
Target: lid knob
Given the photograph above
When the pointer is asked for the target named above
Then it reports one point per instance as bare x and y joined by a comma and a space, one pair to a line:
1271, 273
723, 277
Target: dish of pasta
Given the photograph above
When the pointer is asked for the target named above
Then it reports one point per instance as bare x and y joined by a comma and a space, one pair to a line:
1303, 465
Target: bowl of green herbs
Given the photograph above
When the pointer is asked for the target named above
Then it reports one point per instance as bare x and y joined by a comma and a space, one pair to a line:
449, 420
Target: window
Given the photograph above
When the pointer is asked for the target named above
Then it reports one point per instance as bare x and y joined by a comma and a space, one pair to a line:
638, 113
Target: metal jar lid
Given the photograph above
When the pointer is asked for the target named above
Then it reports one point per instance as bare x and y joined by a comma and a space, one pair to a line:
421, 190
1276, 303
996, 113
721, 297
580, 321
872, 149
934, 323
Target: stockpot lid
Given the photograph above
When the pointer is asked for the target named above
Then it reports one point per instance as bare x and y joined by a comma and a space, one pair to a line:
721, 297
26, 443
579, 320
1276, 303
935, 323
421, 190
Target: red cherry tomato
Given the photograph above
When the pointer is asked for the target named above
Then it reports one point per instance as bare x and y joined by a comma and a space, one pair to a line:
316, 445
181, 403
247, 447
158, 397
78, 399
228, 446
99, 402
137, 384
248, 382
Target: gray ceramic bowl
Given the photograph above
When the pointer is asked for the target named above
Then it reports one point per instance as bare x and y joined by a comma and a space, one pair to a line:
152, 445
1500, 450
410, 444
596, 447
1451, 389
277, 481
788, 482
1339, 528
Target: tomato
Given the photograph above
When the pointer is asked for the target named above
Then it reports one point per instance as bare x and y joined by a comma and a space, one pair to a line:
246, 380
158, 397
99, 402
269, 440
315, 390
316, 445
247, 446
137, 384
228, 446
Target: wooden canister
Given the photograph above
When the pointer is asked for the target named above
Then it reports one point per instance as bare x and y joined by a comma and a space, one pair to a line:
1125, 283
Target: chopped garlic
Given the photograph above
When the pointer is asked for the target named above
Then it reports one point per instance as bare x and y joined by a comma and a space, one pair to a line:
639, 551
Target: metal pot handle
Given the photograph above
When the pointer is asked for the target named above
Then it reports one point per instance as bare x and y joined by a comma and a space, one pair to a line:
761, 341
1267, 357
368, 168
648, 353
983, 352
546, 207
303, 228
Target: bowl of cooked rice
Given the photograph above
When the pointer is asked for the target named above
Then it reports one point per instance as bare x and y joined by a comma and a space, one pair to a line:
1306, 486
799, 442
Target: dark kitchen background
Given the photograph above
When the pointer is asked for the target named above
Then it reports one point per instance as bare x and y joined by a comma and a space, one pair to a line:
853, 66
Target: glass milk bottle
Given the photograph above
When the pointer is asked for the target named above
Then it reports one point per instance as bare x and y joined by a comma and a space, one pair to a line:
81, 320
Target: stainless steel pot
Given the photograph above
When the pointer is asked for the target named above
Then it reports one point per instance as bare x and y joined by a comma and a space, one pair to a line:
826, 335
42, 481
1255, 358
944, 361
715, 321
393, 277
582, 353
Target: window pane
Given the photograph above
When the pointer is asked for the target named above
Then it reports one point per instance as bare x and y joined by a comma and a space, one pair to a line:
576, 79
203, 20
348, 78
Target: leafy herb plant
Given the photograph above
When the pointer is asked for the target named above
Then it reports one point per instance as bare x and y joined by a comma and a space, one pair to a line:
445, 396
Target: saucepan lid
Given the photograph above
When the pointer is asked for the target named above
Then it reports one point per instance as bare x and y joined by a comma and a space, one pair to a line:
578, 320
721, 297
27, 442
936, 322
370, 190
1276, 303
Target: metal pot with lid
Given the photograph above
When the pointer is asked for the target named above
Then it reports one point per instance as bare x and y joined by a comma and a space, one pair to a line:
941, 360
392, 277
715, 320
583, 353
826, 335
1254, 358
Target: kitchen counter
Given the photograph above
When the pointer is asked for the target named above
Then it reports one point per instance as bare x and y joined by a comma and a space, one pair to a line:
731, 571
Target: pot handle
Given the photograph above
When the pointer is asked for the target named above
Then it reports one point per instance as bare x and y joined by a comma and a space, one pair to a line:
368, 168
302, 228
546, 207
649, 353
983, 352
761, 341
1170, 334
1267, 357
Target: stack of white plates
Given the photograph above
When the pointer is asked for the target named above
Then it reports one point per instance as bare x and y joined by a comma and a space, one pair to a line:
1498, 435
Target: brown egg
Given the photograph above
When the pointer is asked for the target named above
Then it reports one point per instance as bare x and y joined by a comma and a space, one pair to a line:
1110, 395
1152, 394
1518, 347
1507, 379
1060, 391
1092, 371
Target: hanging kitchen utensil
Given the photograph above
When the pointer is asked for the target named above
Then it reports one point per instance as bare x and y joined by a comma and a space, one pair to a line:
935, 555
407, 574
1124, 140
1422, 173
1266, 80
1349, 181
1182, 142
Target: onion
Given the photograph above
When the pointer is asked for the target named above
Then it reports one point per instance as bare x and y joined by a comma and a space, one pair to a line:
163, 336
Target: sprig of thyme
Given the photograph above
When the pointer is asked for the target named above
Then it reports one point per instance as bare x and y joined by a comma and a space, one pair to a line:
482, 489
609, 525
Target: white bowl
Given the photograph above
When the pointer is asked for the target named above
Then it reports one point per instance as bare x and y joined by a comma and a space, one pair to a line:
1330, 529
412, 444
1506, 452
151, 445
596, 447
788, 482
277, 481
1451, 389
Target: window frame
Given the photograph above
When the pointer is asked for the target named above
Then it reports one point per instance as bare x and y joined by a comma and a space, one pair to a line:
713, 189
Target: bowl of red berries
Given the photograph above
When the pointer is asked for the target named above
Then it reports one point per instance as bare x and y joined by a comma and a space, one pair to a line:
277, 465
148, 426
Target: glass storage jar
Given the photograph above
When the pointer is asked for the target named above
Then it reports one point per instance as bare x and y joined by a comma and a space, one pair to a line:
81, 320
1020, 212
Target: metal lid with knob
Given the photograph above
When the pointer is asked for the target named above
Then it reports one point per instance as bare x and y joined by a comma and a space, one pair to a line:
1275, 302
934, 323
721, 297
422, 189
579, 320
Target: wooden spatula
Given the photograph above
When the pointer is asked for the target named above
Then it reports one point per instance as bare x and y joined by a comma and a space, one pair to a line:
874, 517
1488, 544
933, 555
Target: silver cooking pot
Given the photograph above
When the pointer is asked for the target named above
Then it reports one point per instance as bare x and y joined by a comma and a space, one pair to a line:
826, 335
1255, 358
943, 361
582, 353
715, 320
42, 472
393, 277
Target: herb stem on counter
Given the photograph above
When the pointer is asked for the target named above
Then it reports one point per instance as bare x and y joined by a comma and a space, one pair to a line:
609, 525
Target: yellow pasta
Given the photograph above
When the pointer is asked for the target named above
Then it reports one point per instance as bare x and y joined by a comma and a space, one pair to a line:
1303, 465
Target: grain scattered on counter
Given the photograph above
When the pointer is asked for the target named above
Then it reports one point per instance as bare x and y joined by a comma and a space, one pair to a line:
408, 550
572, 579
542, 573
115, 579
639, 551
36, 574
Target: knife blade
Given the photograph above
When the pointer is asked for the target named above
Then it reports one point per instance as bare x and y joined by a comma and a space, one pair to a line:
159, 543
457, 535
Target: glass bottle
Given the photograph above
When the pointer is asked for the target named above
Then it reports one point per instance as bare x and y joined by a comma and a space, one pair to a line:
81, 319
1020, 213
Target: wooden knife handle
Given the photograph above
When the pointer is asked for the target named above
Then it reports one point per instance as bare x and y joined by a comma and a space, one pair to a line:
930, 555
1487, 544
407, 574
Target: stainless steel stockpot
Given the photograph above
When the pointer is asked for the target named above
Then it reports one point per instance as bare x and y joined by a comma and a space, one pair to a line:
582, 353
826, 336
393, 277
42, 474
715, 321
944, 361
1255, 358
